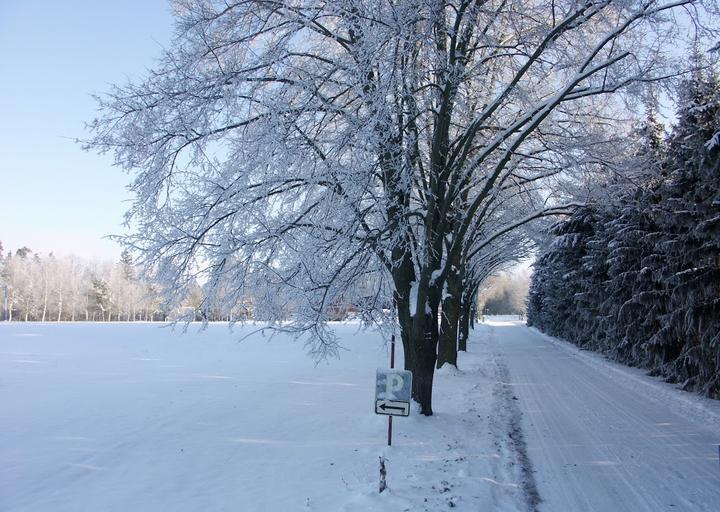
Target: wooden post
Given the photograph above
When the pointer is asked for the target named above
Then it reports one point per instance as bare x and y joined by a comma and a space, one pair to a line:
383, 473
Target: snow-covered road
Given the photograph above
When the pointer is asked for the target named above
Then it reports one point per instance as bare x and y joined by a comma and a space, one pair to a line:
605, 438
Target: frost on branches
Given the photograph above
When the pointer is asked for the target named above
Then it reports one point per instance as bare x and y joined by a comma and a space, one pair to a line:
307, 154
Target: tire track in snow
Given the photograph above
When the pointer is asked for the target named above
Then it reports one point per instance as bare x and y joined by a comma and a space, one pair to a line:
506, 424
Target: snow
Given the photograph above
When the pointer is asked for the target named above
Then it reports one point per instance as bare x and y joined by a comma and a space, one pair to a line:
118, 417
604, 437
447, 370
692, 405
414, 289
435, 275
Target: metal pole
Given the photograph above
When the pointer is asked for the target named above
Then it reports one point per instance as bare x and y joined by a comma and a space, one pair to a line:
389, 430
392, 351
392, 365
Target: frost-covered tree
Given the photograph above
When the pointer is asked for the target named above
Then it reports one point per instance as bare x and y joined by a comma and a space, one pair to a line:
23, 282
645, 283
557, 276
298, 148
4, 287
688, 213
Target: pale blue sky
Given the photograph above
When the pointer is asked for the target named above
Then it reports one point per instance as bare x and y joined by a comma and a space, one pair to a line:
53, 55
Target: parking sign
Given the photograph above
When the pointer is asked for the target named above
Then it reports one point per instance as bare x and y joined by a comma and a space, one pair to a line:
393, 390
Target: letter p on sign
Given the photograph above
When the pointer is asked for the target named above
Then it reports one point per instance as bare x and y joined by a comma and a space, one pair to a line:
394, 384
392, 392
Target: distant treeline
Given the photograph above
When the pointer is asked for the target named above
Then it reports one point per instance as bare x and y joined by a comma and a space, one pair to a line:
41, 288
638, 277
504, 294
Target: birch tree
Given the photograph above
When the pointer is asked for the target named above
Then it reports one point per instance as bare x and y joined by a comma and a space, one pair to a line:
298, 147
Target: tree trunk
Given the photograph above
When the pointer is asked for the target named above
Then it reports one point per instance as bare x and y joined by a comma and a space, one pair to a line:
425, 357
403, 277
425, 331
464, 325
448, 336
405, 321
417, 301
449, 320
423, 374
467, 311
419, 334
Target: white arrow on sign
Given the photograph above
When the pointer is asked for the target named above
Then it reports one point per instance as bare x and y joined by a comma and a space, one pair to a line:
392, 408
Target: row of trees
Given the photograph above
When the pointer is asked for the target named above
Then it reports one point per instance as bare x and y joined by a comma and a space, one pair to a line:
41, 288
638, 277
393, 152
48, 288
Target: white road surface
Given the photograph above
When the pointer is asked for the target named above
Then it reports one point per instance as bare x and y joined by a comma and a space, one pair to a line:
604, 438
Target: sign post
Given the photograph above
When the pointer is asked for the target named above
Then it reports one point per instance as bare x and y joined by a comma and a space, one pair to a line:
393, 389
392, 366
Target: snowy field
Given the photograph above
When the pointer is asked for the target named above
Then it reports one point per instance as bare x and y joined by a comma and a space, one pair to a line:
123, 417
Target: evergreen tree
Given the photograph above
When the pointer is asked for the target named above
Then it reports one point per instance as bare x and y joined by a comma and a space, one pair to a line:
551, 300
639, 278
126, 263
686, 348
100, 297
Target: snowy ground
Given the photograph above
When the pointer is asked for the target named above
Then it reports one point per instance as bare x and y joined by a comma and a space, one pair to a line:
134, 417
603, 437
